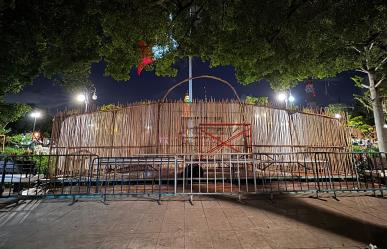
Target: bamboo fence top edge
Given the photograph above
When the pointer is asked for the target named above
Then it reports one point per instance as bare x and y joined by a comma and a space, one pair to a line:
313, 112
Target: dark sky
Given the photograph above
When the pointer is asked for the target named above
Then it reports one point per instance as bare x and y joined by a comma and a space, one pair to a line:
45, 95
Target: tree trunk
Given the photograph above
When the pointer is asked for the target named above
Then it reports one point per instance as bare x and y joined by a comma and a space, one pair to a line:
378, 114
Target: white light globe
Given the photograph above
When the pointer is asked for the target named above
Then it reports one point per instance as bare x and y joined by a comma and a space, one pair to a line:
81, 97
338, 115
385, 126
291, 98
36, 114
281, 96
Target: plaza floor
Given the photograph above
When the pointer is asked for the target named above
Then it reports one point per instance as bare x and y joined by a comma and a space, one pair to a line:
216, 222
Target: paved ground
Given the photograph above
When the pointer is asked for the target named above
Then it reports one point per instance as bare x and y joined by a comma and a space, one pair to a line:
351, 222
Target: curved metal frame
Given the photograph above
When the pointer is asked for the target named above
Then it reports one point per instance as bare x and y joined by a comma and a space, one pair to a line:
201, 77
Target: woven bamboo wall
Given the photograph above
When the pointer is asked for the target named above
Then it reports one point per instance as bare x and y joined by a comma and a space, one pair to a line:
177, 127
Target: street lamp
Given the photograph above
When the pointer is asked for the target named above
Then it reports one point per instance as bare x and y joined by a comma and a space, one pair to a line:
81, 97
285, 97
35, 115
281, 97
84, 97
94, 96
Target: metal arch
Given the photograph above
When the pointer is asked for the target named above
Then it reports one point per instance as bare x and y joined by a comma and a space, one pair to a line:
201, 77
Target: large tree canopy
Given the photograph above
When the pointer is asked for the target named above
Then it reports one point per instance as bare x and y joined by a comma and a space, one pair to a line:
282, 41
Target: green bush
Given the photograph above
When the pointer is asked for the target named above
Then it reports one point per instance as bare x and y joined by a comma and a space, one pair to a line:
359, 148
332, 109
41, 161
359, 123
41, 164
15, 151
20, 139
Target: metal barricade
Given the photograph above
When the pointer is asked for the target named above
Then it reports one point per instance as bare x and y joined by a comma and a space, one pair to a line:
27, 176
192, 174
269, 173
137, 175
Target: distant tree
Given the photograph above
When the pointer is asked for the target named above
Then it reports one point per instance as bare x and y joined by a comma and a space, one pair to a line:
359, 123
360, 110
372, 59
257, 100
333, 109
10, 113
109, 107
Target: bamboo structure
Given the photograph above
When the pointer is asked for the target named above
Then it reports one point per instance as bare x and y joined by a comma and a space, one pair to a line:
199, 127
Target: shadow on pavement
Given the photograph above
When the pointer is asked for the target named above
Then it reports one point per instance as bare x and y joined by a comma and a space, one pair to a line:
320, 217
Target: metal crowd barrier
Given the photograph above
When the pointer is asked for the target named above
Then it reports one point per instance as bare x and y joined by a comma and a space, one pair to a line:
196, 174
28, 176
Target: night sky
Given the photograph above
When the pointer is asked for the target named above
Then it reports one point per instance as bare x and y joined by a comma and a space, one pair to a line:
53, 98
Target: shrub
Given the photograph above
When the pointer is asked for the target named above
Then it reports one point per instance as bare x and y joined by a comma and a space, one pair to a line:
251, 100
20, 139
15, 151
108, 107
359, 148
41, 164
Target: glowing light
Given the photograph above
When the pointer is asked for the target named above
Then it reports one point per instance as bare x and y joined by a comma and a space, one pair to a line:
385, 126
94, 97
36, 134
291, 98
338, 115
36, 114
281, 97
81, 98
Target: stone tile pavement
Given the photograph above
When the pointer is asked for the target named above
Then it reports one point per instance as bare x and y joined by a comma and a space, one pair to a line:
350, 222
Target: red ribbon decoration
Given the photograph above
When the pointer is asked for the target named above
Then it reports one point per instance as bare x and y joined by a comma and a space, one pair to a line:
146, 56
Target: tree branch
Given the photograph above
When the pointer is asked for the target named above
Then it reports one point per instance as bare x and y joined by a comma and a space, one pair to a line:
362, 70
367, 65
365, 86
381, 63
365, 101
372, 44
380, 81
357, 50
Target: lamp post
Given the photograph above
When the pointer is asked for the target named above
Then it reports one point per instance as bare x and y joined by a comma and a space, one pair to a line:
35, 115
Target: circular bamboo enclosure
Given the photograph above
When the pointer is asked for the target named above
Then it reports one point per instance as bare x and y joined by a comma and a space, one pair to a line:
199, 127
